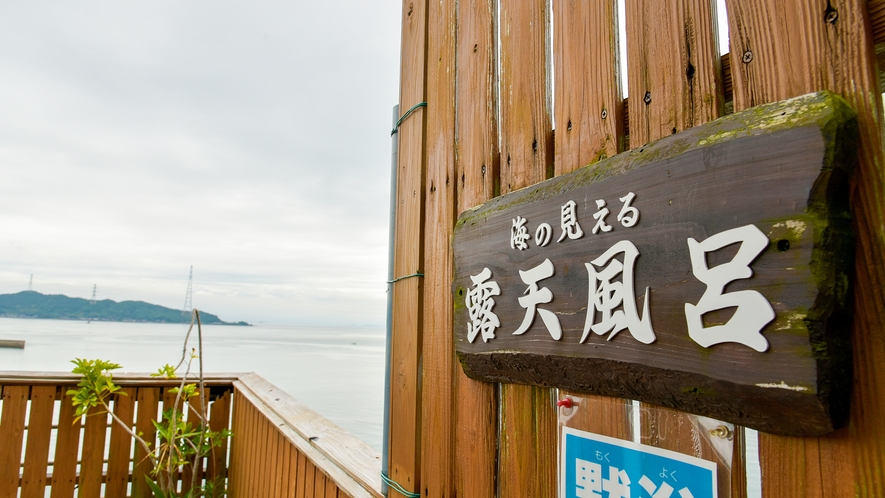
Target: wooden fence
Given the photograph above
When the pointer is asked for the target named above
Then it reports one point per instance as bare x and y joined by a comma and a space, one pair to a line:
495, 76
280, 448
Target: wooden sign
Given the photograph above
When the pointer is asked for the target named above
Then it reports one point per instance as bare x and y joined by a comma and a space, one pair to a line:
707, 272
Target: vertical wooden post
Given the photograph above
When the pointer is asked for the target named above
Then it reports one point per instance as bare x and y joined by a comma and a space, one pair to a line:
589, 120
119, 460
67, 446
404, 450
37, 446
672, 67
780, 49
589, 106
12, 431
674, 84
476, 175
437, 434
528, 415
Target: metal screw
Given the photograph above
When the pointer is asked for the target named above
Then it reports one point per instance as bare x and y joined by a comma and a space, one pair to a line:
647, 98
723, 432
831, 15
483, 169
604, 114
748, 57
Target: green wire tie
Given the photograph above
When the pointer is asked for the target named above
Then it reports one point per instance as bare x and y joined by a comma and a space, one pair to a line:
410, 111
405, 277
399, 489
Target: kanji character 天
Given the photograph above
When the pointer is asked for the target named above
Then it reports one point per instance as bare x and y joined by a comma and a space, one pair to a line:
535, 296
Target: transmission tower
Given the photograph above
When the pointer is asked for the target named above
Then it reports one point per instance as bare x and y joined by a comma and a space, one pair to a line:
188, 298
94, 289
31, 283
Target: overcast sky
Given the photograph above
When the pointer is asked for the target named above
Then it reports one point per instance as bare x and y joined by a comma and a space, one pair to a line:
248, 139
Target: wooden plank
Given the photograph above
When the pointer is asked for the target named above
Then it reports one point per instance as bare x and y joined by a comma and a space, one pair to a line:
309, 480
37, 447
589, 109
121, 379
169, 397
527, 461
437, 382
302, 476
148, 399
477, 174
219, 420
194, 417
284, 450
682, 197
94, 434
673, 67
589, 113
319, 485
597, 414
347, 451
12, 428
120, 449
797, 47
674, 77
345, 458
331, 489
67, 449
236, 446
405, 391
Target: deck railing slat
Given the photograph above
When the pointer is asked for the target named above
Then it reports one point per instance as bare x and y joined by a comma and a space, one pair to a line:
67, 446
12, 426
120, 454
148, 402
37, 446
281, 448
94, 435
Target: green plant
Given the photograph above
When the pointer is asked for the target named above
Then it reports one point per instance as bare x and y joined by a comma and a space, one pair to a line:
181, 442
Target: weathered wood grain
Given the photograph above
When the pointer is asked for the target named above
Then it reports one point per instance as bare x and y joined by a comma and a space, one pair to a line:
589, 108
673, 67
148, 401
476, 175
438, 367
527, 414
12, 428
404, 452
590, 120
67, 446
342, 456
801, 155
119, 459
829, 45
33, 484
94, 433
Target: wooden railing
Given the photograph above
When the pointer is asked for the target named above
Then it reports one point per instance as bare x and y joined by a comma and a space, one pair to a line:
279, 447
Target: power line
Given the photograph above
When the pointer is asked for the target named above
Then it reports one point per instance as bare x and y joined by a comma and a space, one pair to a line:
188, 298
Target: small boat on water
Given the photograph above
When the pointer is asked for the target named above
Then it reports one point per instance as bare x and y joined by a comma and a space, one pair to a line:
11, 343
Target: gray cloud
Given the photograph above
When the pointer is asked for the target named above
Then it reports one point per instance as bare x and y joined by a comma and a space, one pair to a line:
250, 139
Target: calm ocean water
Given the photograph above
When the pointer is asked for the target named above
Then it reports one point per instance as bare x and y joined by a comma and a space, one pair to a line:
338, 372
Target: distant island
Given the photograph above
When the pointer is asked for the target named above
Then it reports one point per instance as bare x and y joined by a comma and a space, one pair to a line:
30, 304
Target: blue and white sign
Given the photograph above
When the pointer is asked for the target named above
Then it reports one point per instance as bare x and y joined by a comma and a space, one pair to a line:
594, 466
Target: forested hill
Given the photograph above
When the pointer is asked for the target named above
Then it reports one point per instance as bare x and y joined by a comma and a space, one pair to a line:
30, 304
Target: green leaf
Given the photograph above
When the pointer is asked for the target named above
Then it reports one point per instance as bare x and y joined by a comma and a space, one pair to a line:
158, 493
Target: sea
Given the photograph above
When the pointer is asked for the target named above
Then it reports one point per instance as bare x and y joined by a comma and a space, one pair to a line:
336, 371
